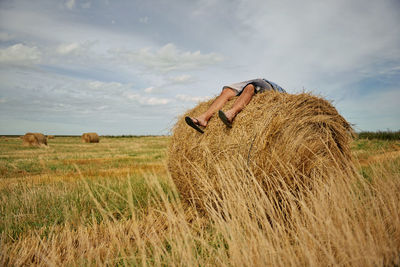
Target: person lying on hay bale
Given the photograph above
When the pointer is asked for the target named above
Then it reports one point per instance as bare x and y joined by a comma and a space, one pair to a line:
245, 90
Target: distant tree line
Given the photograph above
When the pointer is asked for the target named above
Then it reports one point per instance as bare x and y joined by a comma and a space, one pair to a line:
382, 135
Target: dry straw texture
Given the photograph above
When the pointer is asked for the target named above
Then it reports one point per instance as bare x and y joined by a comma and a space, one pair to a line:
90, 138
34, 139
56, 219
292, 137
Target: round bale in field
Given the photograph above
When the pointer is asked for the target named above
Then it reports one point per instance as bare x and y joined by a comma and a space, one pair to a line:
293, 136
50, 137
90, 138
34, 139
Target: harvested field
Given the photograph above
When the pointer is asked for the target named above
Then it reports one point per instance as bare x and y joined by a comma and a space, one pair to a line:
75, 204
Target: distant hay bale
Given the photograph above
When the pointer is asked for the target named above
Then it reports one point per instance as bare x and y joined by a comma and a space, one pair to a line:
90, 138
291, 136
34, 139
50, 137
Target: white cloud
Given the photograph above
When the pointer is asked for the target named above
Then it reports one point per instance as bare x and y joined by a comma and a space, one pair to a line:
70, 99
333, 47
67, 48
20, 54
152, 101
156, 101
149, 89
330, 39
86, 5
184, 78
187, 98
107, 86
77, 49
70, 4
117, 92
5, 36
167, 58
389, 71
144, 20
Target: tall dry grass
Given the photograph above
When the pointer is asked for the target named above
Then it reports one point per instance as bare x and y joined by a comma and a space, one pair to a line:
284, 135
344, 219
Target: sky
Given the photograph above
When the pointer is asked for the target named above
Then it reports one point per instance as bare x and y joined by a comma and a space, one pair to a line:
120, 67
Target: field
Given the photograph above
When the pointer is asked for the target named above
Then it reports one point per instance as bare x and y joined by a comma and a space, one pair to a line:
114, 203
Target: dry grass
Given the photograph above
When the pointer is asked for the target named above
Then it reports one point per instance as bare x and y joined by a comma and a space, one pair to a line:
90, 138
34, 139
342, 220
291, 137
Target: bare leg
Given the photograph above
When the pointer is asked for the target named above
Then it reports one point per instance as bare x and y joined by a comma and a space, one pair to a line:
219, 102
241, 102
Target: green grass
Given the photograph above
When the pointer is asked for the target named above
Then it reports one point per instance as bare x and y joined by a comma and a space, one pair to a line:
34, 207
363, 148
43, 187
381, 135
65, 152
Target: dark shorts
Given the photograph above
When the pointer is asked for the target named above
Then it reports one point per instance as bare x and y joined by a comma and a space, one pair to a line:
260, 85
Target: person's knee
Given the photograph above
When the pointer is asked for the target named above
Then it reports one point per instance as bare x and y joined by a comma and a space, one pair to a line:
249, 89
228, 92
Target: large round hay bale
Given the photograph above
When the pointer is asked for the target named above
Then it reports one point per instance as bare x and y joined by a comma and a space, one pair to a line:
291, 136
90, 138
50, 137
34, 139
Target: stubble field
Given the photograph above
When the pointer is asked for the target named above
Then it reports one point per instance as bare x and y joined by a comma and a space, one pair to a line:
114, 203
